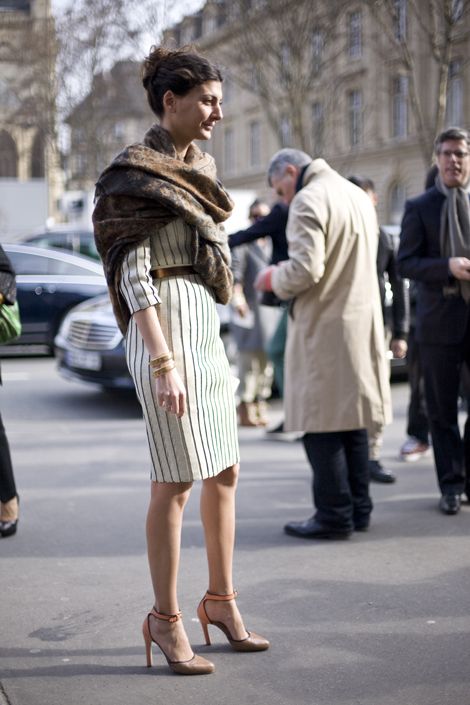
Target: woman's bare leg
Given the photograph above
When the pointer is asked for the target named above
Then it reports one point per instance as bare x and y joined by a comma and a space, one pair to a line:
218, 518
164, 522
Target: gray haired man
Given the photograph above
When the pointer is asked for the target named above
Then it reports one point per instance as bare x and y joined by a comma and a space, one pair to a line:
336, 376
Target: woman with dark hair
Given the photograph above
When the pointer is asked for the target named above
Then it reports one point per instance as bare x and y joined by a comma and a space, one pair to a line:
158, 230
8, 494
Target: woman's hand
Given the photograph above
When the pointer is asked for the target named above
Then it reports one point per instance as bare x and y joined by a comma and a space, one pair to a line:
171, 394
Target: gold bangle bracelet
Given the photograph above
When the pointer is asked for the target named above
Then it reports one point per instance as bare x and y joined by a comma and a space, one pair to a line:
163, 370
159, 360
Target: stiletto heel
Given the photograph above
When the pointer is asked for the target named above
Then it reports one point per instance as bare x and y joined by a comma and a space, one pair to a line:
194, 666
148, 643
252, 642
206, 633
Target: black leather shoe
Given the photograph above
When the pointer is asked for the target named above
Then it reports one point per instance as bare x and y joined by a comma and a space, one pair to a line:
312, 529
449, 503
362, 525
8, 528
378, 474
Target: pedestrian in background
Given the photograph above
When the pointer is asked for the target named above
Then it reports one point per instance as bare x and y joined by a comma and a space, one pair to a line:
273, 225
417, 444
396, 330
157, 224
435, 252
8, 493
336, 369
251, 325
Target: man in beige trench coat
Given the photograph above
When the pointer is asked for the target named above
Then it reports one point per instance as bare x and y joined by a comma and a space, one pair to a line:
336, 374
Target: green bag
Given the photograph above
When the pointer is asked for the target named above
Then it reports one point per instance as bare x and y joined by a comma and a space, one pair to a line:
10, 324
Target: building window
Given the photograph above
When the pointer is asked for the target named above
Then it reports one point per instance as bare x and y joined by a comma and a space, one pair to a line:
229, 150
318, 45
286, 132
355, 117
37, 157
399, 19
8, 156
396, 203
255, 144
187, 34
355, 35
454, 105
119, 130
457, 10
221, 15
198, 26
228, 89
400, 106
79, 165
318, 127
285, 59
210, 24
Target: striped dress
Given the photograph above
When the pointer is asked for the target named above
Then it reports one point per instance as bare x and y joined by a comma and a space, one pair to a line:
204, 441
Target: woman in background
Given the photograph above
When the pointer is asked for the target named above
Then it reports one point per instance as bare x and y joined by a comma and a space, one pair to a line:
8, 494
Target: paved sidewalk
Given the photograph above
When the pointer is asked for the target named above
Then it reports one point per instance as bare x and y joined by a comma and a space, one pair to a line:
381, 619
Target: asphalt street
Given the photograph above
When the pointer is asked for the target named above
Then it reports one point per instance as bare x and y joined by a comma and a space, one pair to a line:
381, 619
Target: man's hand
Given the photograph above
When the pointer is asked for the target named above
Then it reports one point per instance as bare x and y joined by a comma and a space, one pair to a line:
460, 267
398, 346
263, 280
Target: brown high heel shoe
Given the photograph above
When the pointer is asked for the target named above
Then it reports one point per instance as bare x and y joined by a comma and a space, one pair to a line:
252, 642
194, 666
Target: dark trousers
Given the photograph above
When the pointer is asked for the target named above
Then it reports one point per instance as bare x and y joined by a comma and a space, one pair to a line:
7, 480
339, 462
442, 366
418, 424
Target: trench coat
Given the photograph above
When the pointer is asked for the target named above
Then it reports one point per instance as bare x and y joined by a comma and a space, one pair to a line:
336, 370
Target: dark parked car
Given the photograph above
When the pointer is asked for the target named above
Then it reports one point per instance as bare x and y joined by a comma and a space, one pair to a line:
49, 284
89, 346
66, 237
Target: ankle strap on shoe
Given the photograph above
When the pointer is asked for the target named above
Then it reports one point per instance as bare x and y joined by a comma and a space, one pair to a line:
221, 598
165, 617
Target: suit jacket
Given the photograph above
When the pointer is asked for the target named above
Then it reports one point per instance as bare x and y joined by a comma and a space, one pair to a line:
440, 318
272, 225
387, 264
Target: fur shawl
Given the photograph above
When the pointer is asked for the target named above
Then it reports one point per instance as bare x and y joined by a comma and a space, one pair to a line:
145, 188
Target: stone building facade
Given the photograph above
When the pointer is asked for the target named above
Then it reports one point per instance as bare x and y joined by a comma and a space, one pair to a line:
359, 107
115, 113
28, 149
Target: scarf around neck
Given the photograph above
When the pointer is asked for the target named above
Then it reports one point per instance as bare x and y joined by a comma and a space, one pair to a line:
146, 187
455, 228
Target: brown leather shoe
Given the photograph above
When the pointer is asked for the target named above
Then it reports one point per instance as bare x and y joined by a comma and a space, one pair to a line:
195, 666
252, 642
246, 414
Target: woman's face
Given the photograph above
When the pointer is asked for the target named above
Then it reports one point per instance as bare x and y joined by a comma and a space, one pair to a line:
193, 116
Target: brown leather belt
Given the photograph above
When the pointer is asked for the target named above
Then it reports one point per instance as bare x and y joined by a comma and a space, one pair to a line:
163, 273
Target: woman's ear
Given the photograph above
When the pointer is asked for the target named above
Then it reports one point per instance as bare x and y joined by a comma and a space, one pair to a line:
169, 101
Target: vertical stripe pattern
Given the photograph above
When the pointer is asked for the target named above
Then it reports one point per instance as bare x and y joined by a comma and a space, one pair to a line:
204, 441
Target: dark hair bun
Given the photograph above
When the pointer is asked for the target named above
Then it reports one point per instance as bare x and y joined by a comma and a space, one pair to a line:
155, 59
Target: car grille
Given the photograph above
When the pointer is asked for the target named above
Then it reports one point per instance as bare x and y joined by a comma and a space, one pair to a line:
93, 336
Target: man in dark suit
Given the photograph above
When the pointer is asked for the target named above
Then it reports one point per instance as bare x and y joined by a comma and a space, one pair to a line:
435, 251
397, 327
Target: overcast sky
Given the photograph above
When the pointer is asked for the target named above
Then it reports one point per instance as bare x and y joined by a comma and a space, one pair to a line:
176, 9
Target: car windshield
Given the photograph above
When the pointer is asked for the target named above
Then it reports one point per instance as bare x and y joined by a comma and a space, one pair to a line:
82, 243
31, 263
